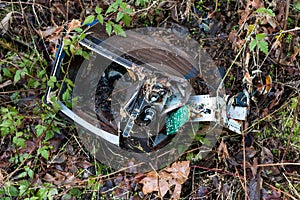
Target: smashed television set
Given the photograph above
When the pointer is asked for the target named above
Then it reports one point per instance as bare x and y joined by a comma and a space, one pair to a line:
137, 101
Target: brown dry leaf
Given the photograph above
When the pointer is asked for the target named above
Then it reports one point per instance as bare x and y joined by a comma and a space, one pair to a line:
161, 182
256, 3
180, 171
240, 43
244, 16
223, 151
49, 31
49, 178
233, 38
296, 52
272, 21
266, 156
84, 164
55, 36
150, 182
73, 24
275, 101
4, 24
60, 178
248, 78
255, 186
70, 180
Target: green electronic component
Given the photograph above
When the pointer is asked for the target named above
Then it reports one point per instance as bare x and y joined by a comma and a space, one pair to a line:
177, 119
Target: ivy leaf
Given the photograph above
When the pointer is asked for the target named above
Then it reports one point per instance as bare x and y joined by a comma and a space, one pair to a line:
17, 76
120, 15
263, 46
66, 95
119, 30
52, 192
24, 185
88, 20
42, 193
108, 28
252, 44
49, 135
98, 10
40, 129
100, 18
67, 42
7, 73
112, 8
85, 54
44, 153
126, 20
22, 175
29, 171
11, 190
51, 81
19, 141
128, 10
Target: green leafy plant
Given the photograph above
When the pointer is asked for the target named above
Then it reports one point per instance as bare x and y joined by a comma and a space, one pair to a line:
259, 42
265, 11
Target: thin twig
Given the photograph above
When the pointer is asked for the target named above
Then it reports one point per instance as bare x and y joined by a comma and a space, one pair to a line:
287, 10
6, 83
276, 164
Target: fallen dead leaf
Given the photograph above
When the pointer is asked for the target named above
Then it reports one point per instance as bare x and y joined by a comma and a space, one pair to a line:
84, 164
255, 3
150, 182
255, 186
69, 180
4, 25
248, 78
55, 36
49, 31
162, 182
296, 52
223, 151
73, 24
49, 178
60, 178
